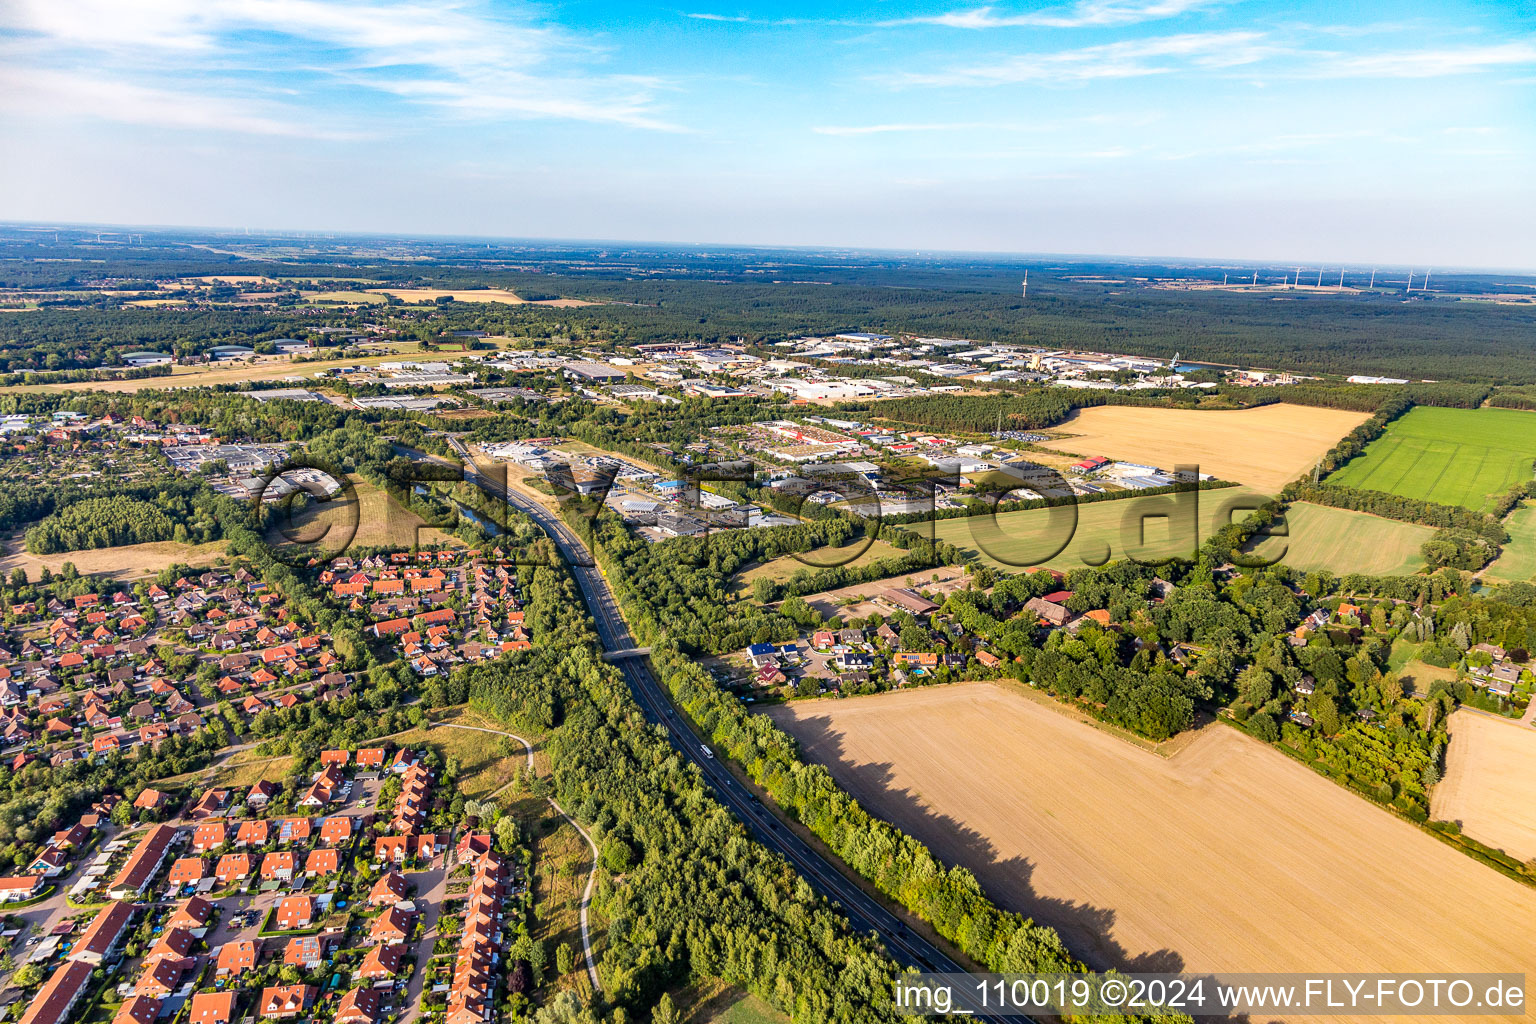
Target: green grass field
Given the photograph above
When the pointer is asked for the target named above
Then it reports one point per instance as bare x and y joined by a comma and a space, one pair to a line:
1518, 562
711, 1001
1415, 675
487, 761
749, 1009
1342, 542
1463, 457
1105, 530
785, 566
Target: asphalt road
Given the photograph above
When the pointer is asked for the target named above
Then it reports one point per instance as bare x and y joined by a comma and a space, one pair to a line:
904, 945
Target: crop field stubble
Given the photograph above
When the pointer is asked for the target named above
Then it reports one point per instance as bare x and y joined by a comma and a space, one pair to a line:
1265, 447
1225, 856
1490, 782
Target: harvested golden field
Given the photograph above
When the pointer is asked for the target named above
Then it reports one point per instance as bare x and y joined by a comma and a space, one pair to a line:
126, 562
475, 295
372, 298
461, 295
1490, 782
241, 773
1267, 447
1225, 856
377, 521
234, 279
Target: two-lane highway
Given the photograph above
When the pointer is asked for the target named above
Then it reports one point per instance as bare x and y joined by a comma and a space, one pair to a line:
866, 914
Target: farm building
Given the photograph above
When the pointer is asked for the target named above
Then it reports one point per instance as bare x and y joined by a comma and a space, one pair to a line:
146, 359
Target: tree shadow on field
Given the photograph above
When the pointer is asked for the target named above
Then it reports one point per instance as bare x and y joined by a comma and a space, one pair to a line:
1085, 928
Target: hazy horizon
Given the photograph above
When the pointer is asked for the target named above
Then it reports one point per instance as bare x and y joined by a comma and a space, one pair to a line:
1276, 263
1147, 129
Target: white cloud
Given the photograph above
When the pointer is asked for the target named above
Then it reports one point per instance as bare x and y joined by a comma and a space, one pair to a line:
1084, 14
1119, 121
1215, 51
747, 19
459, 56
882, 129
1129, 59
156, 25
1434, 63
57, 94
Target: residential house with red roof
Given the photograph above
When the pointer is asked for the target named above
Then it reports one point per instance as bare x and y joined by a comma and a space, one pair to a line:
192, 915
236, 958
305, 952
209, 834
138, 1010
294, 912
390, 889
253, 832
64, 988
142, 864
394, 925
382, 961
321, 862
233, 867
336, 831
162, 976
278, 866
211, 1008
186, 871
358, 1006
102, 935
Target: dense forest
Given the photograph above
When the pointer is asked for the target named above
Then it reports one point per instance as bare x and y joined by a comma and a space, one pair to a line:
112, 521
71, 338
650, 294
1317, 334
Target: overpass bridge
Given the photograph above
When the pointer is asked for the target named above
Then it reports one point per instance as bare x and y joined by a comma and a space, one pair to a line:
628, 652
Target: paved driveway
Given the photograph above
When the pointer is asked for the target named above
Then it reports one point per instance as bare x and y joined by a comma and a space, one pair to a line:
431, 888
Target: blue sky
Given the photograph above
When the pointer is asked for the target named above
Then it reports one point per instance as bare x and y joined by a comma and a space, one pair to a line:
1401, 132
